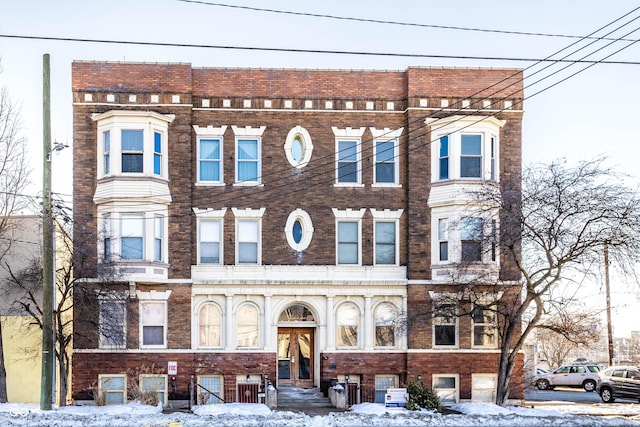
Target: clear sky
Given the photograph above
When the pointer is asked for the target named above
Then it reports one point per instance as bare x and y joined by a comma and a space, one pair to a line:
590, 114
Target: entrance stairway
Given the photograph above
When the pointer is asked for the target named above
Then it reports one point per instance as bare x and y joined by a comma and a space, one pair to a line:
310, 401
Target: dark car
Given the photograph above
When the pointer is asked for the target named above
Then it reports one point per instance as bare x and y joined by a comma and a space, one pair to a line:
619, 382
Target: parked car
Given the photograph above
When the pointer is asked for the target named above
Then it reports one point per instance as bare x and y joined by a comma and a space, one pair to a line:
619, 382
575, 375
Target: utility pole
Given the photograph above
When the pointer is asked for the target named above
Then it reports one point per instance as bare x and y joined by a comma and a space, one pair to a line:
608, 292
48, 354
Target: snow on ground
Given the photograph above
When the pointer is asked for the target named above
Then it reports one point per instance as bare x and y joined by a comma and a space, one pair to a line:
365, 414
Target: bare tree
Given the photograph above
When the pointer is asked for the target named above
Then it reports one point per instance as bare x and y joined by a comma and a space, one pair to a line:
554, 223
72, 299
14, 174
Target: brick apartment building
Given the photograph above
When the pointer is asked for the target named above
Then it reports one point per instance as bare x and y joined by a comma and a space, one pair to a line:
272, 223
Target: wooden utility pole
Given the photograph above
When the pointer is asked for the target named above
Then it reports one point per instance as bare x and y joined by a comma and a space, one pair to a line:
608, 291
46, 385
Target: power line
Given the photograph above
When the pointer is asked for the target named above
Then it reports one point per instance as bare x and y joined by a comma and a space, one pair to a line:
249, 191
387, 22
313, 51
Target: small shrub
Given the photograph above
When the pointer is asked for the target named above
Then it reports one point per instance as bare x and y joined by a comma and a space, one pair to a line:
99, 396
421, 397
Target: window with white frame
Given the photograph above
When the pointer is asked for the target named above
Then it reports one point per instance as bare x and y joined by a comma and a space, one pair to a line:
443, 158
382, 383
445, 322
158, 238
248, 155
132, 143
106, 152
113, 387
247, 320
471, 156
153, 324
385, 242
211, 390
467, 147
483, 387
132, 236
485, 325
348, 156
210, 154
385, 323
157, 153
299, 230
471, 231
347, 323
348, 238
155, 383
443, 239
248, 236
447, 387
209, 323
132, 150
386, 156
210, 232
112, 321
298, 147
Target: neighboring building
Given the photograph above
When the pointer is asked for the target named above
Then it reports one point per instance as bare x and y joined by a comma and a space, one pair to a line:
21, 339
273, 223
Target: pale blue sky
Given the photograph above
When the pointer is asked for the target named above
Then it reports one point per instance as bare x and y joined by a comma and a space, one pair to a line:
591, 114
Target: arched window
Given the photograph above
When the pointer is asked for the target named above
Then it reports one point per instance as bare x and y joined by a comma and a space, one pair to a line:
209, 323
296, 313
247, 322
348, 323
385, 317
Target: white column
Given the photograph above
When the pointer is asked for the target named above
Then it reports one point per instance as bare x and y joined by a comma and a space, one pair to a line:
331, 324
403, 342
230, 338
368, 320
268, 333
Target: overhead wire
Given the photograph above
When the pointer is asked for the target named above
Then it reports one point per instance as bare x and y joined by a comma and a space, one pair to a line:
258, 190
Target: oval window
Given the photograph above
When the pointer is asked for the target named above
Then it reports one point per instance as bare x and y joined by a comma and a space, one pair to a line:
297, 231
297, 149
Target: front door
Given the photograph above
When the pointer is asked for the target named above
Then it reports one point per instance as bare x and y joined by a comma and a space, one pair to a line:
295, 356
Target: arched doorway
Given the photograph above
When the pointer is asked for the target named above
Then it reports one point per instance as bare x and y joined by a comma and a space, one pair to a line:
296, 327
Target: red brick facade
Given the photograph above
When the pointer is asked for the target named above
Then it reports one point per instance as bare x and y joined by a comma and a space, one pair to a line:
320, 101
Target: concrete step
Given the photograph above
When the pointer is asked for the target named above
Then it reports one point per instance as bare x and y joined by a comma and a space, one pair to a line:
298, 397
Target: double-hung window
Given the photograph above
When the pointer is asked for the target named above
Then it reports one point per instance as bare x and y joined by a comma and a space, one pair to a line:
210, 241
157, 153
485, 332
132, 149
443, 239
211, 390
348, 242
132, 236
248, 160
153, 323
447, 387
210, 160
383, 383
158, 238
385, 317
114, 388
465, 147
385, 155
471, 229
157, 384
386, 248
470, 156
348, 162
443, 158
248, 233
106, 151
445, 323
112, 322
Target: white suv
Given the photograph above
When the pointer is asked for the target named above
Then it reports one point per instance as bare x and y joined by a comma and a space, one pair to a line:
577, 375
